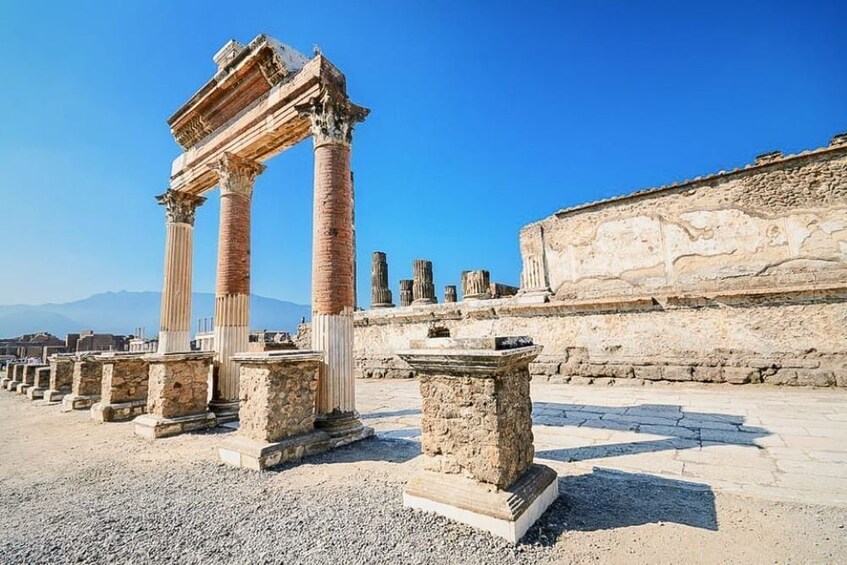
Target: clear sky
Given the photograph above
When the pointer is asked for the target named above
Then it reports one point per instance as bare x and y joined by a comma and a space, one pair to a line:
485, 116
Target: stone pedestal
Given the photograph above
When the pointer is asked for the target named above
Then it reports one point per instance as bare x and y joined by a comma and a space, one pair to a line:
40, 383
450, 294
28, 377
423, 290
123, 394
406, 294
476, 285
61, 377
177, 395
87, 382
477, 434
380, 293
277, 411
8, 376
13, 376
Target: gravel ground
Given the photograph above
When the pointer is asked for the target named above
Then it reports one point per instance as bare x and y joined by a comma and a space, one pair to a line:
72, 491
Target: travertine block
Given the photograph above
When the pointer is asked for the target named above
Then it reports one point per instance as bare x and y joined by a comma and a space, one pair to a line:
87, 380
124, 387
61, 377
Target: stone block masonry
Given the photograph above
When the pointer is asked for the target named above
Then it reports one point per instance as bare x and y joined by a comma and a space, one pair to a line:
87, 382
40, 382
61, 377
124, 388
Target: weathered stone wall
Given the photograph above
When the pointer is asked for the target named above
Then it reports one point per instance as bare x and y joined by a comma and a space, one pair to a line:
87, 377
178, 388
124, 380
740, 277
61, 374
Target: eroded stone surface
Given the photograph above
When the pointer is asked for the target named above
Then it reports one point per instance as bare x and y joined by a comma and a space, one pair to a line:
177, 387
125, 379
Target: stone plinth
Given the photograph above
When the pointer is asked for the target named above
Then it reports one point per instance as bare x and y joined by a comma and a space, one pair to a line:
380, 293
28, 378
13, 376
61, 377
40, 382
177, 395
476, 285
477, 434
123, 393
87, 382
277, 410
406, 294
8, 375
423, 291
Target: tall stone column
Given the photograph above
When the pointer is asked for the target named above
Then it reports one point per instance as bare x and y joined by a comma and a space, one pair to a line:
175, 316
450, 293
423, 290
333, 118
406, 294
476, 285
380, 293
232, 286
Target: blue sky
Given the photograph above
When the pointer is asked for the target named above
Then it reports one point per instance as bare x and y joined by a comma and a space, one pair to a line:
485, 116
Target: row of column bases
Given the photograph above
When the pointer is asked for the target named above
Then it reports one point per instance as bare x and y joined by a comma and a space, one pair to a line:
332, 119
419, 290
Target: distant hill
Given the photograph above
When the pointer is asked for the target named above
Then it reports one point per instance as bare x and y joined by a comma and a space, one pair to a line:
122, 312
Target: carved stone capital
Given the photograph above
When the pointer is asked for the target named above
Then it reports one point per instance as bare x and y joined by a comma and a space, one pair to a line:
180, 207
236, 174
333, 117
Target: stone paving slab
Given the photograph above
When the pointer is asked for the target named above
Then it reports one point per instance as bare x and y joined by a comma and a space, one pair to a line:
779, 443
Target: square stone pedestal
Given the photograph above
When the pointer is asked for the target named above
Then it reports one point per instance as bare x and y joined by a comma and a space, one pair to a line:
61, 377
17, 371
28, 378
8, 376
277, 410
40, 383
86, 383
477, 434
123, 393
177, 395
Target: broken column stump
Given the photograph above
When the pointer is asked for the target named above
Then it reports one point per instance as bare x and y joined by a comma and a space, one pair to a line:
87, 382
61, 377
477, 435
123, 394
177, 395
277, 410
40, 382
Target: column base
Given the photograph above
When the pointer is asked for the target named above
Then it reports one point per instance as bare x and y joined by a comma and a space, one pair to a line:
340, 425
21, 388
154, 427
246, 453
55, 395
118, 412
507, 513
35, 392
78, 402
225, 411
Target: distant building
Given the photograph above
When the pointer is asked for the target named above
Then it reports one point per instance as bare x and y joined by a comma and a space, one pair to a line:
31, 345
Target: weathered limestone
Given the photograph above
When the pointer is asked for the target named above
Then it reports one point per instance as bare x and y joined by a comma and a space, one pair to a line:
535, 286
500, 290
87, 382
10, 382
29, 374
450, 293
175, 324
232, 289
406, 293
40, 382
423, 291
332, 117
124, 388
477, 435
380, 293
476, 285
177, 395
61, 377
277, 413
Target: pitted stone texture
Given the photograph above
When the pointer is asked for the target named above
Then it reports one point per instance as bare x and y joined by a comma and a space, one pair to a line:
61, 373
479, 427
277, 400
87, 377
125, 379
178, 388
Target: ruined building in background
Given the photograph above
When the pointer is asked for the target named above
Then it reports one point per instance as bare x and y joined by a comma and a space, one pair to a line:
31, 345
736, 277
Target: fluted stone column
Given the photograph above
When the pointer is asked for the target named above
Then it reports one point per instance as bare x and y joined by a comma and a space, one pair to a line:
423, 290
406, 294
232, 286
476, 285
175, 316
450, 293
380, 293
333, 118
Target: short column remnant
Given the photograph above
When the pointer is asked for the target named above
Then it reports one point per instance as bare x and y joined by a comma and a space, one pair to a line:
177, 395
450, 293
476, 285
28, 378
477, 435
40, 382
61, 377
277, 410
423, 290
406, 294
380, 293
87, 382
123, 393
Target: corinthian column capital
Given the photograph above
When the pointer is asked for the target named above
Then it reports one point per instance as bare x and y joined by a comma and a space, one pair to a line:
333, 117
180, 207
236, 174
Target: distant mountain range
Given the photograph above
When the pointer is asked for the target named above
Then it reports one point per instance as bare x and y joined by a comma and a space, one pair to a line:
122, 312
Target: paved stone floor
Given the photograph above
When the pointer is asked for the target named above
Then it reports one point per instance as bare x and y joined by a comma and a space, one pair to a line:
778, 443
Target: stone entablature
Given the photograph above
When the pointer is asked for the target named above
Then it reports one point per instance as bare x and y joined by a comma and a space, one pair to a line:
779, 222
